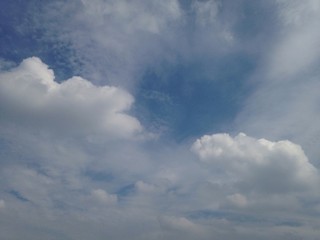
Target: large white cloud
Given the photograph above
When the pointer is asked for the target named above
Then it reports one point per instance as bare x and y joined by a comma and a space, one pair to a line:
51, 135
264, 181
258, 165
30, 97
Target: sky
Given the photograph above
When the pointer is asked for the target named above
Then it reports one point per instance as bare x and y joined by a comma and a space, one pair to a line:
162, 119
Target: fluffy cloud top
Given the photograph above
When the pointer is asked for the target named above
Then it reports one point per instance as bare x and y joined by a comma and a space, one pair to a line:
29, 96
258, 164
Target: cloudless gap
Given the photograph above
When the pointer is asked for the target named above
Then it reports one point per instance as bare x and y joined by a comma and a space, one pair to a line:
191, 99
18, 42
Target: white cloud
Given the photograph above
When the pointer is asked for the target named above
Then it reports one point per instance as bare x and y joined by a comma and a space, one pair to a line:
31, 97
258, 165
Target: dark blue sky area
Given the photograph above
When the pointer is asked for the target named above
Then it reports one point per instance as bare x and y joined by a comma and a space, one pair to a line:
21, 38
195, 98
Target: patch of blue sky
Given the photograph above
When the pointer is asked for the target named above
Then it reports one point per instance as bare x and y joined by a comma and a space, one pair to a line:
126, 191
20, 39
190, 99
18, 196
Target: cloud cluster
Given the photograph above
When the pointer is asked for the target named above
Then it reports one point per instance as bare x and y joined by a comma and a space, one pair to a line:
264, 180
70, 149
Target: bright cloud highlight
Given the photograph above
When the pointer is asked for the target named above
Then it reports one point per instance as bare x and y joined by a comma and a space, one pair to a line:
258, 164
30, 96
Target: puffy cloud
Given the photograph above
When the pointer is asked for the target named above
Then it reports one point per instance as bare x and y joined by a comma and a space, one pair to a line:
30, 96
258, 165
52, 135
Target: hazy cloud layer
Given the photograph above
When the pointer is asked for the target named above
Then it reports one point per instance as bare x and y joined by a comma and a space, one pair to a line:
285, 105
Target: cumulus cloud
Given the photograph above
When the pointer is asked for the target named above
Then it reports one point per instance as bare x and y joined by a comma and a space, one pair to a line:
258, 164
31, 97
258, 180
54, 135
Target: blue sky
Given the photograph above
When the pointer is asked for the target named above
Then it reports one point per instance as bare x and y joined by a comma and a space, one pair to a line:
156, 119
